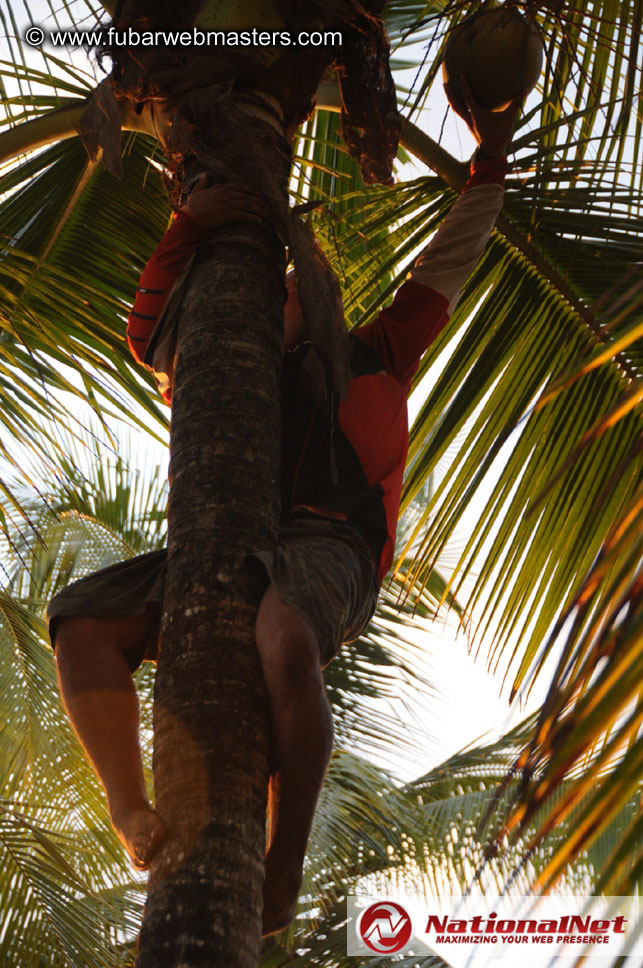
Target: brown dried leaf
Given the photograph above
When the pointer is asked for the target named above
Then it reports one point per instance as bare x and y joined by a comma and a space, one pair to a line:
100, 128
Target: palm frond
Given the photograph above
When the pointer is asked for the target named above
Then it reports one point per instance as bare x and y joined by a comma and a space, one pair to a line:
56, 842
51, 915
590, 723
466, 799
72, 248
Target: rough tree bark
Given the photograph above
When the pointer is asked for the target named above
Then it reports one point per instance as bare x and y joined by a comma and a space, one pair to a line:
210, 766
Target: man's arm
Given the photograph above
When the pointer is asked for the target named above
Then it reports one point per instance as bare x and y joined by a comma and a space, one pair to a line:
205, 209
159, 275
423, 305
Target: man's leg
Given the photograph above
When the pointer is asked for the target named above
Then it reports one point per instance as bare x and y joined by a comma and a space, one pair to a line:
302, 737
99, 695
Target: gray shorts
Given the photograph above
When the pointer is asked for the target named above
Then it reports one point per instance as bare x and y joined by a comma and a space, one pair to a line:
323, 568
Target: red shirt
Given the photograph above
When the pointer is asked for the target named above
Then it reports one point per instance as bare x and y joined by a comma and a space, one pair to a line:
346, 458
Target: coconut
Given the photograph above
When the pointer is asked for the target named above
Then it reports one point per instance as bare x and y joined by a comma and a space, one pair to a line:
499, 53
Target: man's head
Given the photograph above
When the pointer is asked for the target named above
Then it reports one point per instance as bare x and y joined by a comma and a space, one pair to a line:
294, 325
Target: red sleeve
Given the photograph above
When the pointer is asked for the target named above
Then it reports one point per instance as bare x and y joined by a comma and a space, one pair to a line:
159, 275
485, 170
402, 331
422, 306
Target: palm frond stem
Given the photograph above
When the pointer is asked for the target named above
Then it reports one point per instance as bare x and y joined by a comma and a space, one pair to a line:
60, 124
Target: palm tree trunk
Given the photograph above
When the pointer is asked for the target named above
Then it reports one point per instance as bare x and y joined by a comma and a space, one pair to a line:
210, 719
211, 726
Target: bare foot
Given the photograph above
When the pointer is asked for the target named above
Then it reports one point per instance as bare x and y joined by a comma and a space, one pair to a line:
280, 892
141, 832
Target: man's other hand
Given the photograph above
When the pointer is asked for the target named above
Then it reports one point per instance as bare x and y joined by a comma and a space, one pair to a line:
218, 204
491, 129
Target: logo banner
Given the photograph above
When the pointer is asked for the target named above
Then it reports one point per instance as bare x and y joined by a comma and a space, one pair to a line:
480, 931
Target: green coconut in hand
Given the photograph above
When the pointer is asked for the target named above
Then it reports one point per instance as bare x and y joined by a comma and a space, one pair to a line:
499, 53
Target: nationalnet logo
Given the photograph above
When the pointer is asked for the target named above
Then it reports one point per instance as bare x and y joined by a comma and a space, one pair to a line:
537, 928
385, 927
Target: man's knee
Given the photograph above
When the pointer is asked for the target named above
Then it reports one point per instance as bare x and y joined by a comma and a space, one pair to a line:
84, 636
287, 645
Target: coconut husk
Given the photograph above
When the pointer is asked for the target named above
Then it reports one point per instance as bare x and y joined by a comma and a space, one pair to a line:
99, 128
371, 123
163, 72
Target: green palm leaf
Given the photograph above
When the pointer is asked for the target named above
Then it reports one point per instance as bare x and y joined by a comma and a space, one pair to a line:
56, 843
466, 798
50, 914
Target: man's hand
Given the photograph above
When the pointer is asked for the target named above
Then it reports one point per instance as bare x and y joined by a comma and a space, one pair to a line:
491, 129
219, 204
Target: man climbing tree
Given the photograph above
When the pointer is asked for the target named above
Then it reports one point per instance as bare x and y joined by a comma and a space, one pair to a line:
342, 465
231, 113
